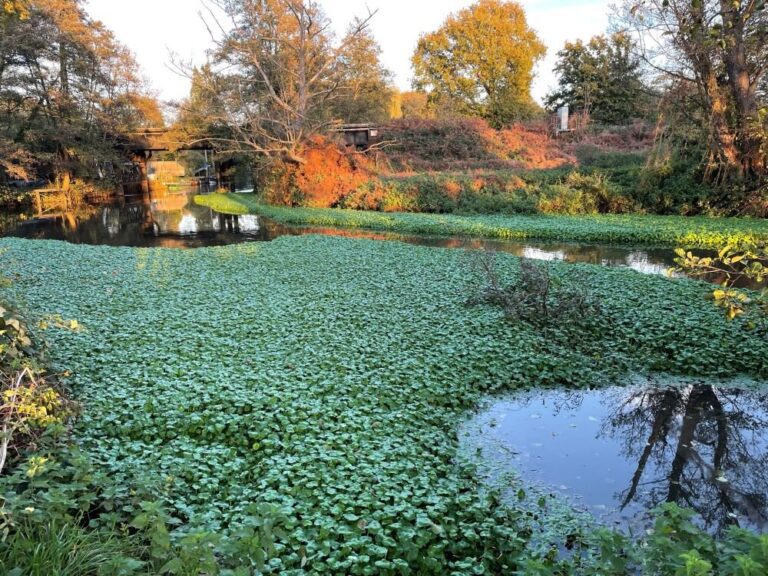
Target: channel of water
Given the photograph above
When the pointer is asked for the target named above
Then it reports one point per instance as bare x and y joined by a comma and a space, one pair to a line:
173, 220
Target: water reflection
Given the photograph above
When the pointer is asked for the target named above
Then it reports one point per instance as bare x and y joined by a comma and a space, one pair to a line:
171, 219
162, 218
621, 452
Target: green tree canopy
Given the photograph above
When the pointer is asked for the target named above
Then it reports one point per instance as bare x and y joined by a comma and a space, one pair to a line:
367, 91
602, 77
480, 62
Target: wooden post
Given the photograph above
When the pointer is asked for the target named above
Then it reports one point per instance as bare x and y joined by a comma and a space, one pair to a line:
39, 203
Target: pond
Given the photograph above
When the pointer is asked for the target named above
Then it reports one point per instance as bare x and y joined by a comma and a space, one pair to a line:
619, 452
173, 220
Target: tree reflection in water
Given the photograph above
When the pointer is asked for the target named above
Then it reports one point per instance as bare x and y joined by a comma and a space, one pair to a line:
699, 446
623, 451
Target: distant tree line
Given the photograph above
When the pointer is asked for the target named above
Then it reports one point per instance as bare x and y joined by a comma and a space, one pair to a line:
277, 80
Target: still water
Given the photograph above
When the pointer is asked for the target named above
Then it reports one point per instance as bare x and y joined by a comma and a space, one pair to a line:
173, 220
619, 452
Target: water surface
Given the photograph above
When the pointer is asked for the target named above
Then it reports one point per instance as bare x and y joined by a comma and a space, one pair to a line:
619, 452
171, 219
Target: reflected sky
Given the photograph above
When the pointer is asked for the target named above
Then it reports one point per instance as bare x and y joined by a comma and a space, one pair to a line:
619, 452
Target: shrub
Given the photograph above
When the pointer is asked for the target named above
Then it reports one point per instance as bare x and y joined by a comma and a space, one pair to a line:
397, 199
34, 408
581, 193
329, 174
431, 196
671, 183
536, 298
677, 546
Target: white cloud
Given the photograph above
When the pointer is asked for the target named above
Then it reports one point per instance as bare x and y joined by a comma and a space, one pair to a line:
154, 28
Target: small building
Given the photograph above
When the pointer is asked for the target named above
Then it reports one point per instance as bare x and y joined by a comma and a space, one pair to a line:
358, 136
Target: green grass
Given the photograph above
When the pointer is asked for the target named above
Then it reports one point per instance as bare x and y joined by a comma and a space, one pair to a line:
64, 550
238, 204
323, 380
677, 231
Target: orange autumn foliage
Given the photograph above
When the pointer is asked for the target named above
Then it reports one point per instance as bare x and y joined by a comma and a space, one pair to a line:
466, 144
329, 173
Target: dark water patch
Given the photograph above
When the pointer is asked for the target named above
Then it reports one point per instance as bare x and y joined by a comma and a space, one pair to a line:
619, 452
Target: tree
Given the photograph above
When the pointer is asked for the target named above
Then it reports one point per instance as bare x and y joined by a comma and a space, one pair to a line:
275, 76
720, 49
602, 78
16, 8
415, 105
67, 89
481, 62
366, 92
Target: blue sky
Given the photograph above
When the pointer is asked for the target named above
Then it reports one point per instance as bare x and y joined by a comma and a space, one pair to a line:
155, 28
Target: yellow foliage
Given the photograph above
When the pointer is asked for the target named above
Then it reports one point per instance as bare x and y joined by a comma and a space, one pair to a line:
18, 7
35, 406
36, 465
396, 105
481, 61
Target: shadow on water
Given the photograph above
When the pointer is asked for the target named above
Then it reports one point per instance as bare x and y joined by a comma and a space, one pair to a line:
619, 452
171, 219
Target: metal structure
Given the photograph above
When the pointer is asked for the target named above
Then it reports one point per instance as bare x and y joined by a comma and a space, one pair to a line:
562, 119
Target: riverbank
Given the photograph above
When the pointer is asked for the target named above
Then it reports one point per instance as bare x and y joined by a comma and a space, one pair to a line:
317, 383
673, 231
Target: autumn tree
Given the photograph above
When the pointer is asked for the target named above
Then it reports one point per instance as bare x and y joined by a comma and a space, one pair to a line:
366, 89
17, 8
67, 90
276, 76
602, 77
481, 62
415, 105
718, 49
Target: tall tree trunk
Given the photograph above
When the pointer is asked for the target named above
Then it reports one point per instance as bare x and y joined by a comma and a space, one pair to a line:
724, 140
750, 135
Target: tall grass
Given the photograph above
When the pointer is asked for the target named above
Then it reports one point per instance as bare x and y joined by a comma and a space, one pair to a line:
65, 550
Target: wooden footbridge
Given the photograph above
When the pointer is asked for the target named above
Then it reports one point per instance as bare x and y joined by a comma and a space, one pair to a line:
149, 140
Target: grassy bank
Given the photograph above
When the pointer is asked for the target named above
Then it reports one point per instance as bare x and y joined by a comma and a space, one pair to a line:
315, 385
688, 232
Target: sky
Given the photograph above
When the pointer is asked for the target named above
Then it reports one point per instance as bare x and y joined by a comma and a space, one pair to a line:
155, 29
